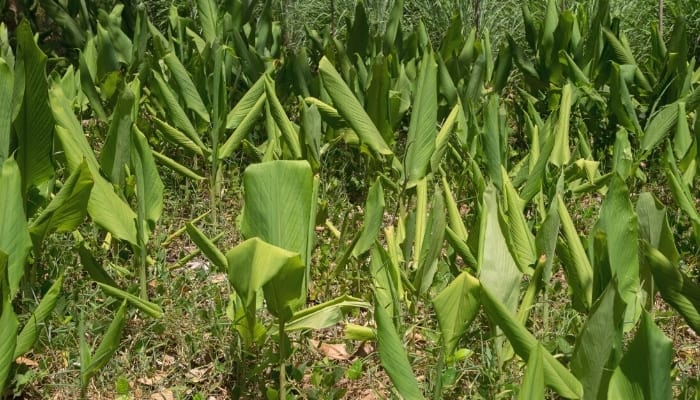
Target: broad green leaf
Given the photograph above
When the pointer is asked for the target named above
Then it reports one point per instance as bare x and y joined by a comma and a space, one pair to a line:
115, 155
659, 125
533, 382
187, 89
151, 186
372, 223
578, 270
682, 140
30, 332
247, 103
498, 271
6, 87
520, 240
432, 244
393, 357
107, 348
675, 287
420, 144
93, 267
255, 264
599, 345
105, 207
680, 191
654, 226
456, 307
619, 222
67, 210
349, 107
281, 120
87, 85
645, 370
152, 309
34, 124
386, 279
177, 137
556, 375
208, 16
15, 241
8, 333
207, 246
176, 114
561, 153
280, 203
325, 314
492, 141
443, 136
244, 126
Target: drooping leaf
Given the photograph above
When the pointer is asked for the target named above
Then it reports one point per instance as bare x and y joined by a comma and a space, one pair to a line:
6, 106
374, 214
105, 207
578, 269
556, 375
599, 345
30, 332
325, 314
207, 246
34, 123
420, 144
15, 241
645, 370
393, 356
108, 346
456, 307
533, 382
349, 107
256, 264
67, 210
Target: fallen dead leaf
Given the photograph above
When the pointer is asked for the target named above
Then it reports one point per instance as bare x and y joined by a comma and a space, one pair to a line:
166, 394
26, 361
218, 278
152, 381
332, 351
197, 374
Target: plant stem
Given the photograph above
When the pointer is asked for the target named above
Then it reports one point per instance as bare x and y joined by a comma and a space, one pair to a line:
283, 356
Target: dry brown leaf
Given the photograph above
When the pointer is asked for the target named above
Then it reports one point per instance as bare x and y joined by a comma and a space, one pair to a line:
152, 381
26, 361
332, 351
166, 394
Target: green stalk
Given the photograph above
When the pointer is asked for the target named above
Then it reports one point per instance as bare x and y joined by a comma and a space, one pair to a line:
283, 357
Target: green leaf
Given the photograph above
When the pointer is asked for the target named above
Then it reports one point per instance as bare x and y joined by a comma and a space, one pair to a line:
350, 109
420, 143
207, 246
619, 222
206, 9
533, 382
645, 370
325, 314
556, 375
392, 355
107, 348
175, 136
659, 125
280, 200
599, 345
176, 114
561, 153
8, 325
15, 241
283, 123
373, 218
256, 264
67, 210
152, 309
6, 107
498, 270
520, 240
433, 238
456, 307
676, 288
34, 123
30, 332
175, 166
150, 186
115, 155
579, 271
493, 147
186, 88
105, 207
